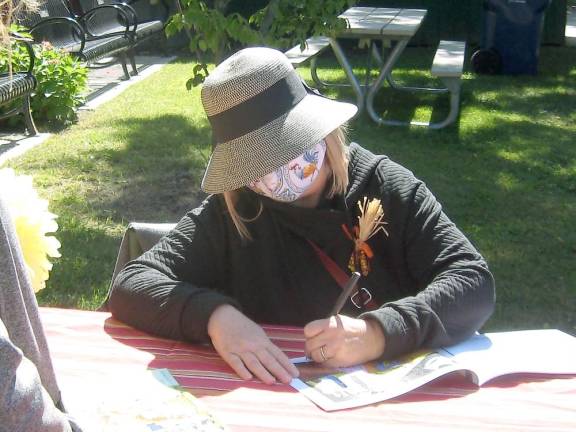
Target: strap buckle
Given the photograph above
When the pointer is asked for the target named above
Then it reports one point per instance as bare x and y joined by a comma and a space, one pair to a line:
361, 298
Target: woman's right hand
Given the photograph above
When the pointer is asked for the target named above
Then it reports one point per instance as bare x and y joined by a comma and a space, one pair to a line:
246, 348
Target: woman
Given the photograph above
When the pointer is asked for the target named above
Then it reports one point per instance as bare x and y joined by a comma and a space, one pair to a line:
281, 231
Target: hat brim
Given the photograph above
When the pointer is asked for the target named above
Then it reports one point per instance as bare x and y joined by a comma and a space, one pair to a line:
236, 163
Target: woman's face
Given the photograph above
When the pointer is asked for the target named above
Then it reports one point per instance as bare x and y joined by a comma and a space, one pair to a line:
298, 180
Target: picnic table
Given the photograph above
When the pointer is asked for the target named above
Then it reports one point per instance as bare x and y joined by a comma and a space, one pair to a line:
94, 354
379, 28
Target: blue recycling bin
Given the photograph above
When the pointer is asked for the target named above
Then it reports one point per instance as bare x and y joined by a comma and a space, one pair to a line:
511, 37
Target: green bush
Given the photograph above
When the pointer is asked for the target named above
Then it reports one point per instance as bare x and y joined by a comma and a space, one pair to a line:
61, 81
215, 30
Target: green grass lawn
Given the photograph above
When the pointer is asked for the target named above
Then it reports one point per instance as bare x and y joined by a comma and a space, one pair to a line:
506, 174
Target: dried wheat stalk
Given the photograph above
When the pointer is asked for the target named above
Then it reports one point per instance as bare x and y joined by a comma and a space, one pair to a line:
370, 219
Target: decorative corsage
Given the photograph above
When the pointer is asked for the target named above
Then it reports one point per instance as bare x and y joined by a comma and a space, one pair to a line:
369, 223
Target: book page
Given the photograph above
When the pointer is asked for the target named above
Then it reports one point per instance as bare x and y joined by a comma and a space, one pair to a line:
334, 389
528, 351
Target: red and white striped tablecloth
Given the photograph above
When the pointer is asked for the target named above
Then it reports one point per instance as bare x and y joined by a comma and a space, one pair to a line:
91, 348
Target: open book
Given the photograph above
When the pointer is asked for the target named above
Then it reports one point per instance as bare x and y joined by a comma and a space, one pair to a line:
480, 358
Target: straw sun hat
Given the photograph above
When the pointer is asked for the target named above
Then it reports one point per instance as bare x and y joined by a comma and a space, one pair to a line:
262, 117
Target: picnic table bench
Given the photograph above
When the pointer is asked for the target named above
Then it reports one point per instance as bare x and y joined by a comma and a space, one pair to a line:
314, 46
448, 65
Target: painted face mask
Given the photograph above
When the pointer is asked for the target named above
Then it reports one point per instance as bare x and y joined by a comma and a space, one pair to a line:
290, 181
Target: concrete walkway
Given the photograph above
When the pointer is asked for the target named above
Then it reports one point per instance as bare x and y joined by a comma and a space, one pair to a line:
103, 85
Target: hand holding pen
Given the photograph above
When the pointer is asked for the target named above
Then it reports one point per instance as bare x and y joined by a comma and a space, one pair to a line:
343, 341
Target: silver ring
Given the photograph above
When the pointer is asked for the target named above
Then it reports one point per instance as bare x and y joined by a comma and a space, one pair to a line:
322, 353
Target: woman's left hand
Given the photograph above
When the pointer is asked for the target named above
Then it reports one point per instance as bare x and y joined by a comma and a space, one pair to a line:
341, 341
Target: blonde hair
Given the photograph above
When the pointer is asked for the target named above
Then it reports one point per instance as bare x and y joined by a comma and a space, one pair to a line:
337, 158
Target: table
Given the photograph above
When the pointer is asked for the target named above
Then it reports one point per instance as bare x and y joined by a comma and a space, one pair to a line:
390, 26
91, 349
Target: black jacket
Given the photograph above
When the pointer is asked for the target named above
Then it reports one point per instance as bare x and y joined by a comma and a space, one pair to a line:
434, 288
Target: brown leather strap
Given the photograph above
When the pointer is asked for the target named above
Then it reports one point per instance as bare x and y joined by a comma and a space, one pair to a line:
362, 299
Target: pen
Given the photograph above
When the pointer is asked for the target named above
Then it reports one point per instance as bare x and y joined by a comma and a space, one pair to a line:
345, 294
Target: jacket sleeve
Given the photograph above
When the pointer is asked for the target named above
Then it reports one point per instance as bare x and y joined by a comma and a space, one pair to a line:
172, 289
453, 289
25, 406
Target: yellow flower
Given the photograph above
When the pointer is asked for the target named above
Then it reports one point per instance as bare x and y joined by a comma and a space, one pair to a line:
33, 222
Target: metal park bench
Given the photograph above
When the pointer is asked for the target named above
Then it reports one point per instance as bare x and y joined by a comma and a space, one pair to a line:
19, 85
54, 22
142, 24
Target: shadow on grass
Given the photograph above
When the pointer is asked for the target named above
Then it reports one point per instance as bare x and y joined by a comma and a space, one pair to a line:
77, 279
153, 177
157, 174
412, 70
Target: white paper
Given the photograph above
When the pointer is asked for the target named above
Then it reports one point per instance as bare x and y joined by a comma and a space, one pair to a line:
527, 351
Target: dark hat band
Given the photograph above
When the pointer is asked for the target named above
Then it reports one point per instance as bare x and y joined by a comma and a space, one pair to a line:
259, 110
